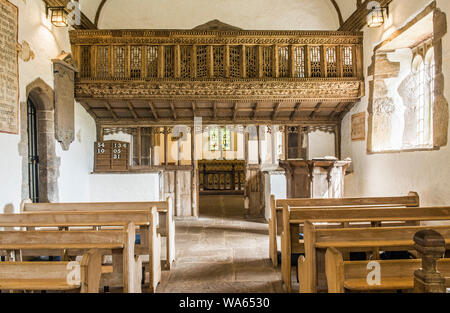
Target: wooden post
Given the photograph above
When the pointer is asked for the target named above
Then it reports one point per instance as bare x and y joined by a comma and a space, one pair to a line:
286, 142
431, 246
139, 145
160, 61
227, 61
166, 148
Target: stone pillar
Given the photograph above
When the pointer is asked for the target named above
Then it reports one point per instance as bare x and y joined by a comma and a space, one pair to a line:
431, 246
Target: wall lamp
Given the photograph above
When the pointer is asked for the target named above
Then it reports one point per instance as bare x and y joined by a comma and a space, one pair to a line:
58, 15
376, 16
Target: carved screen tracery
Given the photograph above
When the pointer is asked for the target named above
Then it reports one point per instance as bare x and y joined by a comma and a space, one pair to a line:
169, 57
316, 70
119, 61
135, 61
251, 53
283, 61
219, 61
347, 64
102, 62
331, 56
152, 61
185, 59
85, 56
299, 59
267, 56
235, 61
202, 61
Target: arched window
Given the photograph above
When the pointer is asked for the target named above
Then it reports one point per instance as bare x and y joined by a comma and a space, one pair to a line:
424, 70
220, 137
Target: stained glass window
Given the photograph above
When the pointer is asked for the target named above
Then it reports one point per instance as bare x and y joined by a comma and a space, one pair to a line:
216, 137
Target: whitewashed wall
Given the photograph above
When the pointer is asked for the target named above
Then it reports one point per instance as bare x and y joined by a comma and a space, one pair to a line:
393, 174
246, 14
124, 187
47, 42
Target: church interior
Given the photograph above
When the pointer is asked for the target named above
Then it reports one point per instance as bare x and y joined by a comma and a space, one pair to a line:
206, 146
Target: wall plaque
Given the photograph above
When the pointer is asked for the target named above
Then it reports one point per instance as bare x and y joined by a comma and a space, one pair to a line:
9, 69
359, 126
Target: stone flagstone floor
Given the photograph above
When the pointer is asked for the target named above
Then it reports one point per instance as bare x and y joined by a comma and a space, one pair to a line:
221, 252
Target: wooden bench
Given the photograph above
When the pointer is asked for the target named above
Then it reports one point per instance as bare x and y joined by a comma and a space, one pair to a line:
119, 243
294, 218
165, 210
53, 276
311, 270
150, 243
352, 275
276, 208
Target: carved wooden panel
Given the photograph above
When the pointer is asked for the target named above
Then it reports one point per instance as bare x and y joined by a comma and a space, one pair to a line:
152, 61
169, 57
135, 61
9, 71
299, 59
64, 84
267, 61
314, 57
219, 61
235, 61
251, 55
331, 56
119, 62
202, 62
85, 64
186, 60
283, 61
102, 62
347, 62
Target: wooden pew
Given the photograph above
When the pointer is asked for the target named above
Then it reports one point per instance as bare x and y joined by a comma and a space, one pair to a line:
53, 276
354, 240
294, 218
150, 244
276, 208
395, 274
165, 210
120, 242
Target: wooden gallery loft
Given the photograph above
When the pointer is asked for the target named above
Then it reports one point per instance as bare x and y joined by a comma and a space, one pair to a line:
144, 82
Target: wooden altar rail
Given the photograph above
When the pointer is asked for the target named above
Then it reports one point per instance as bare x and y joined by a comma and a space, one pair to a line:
221, 180
102, 55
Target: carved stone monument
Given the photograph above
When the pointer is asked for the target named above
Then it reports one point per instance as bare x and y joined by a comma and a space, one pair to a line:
9, 69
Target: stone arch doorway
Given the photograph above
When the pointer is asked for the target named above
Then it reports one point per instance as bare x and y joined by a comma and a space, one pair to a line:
40, 98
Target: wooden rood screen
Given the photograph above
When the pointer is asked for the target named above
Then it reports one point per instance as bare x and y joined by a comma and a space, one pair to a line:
222, 177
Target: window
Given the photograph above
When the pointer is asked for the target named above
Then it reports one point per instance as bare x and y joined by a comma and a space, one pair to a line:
219, 136
423, 70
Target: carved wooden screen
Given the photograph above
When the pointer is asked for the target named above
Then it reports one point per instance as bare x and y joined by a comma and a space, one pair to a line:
135, 61
85, 56
347, 61
251, 53
102, 62
314, 58
299, 59
267, 56
202, 61
283, 61
235, 61
331, 56
119, 62
169, 61
219, 61
185, 65
152, 61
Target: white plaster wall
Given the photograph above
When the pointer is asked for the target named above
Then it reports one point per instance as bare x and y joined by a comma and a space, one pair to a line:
396, 174
124, 187
321, 144
248, 14
275, 184
47, 42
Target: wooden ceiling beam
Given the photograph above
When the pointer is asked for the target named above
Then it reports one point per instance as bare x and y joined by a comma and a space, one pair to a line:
316, 109
132, 110
110, 109
296, 108
152, 108
275, 111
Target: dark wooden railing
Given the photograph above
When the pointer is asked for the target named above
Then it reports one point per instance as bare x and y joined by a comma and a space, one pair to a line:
221, 178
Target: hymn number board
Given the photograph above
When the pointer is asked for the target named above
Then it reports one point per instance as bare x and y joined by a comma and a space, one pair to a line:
111, 156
